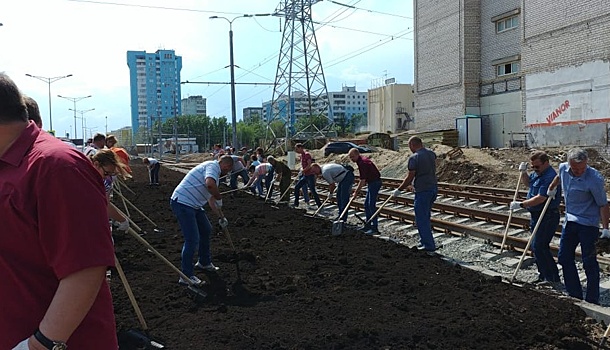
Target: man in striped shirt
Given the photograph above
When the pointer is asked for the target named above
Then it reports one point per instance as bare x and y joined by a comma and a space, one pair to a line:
198, 188
340, 177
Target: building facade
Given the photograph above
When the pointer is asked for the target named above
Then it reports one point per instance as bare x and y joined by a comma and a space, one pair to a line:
347, 103
252, 114
154, 87
528, 75
390, 108
194, 105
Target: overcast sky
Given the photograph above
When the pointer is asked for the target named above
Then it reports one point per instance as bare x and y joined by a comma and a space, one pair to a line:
358, 46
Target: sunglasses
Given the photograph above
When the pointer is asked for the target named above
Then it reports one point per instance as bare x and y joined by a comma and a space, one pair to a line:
108, 173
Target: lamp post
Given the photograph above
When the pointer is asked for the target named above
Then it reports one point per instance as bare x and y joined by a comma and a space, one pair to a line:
49, 80
82, 120
232, 68
74, 100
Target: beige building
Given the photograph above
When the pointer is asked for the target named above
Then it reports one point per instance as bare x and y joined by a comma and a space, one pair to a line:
390, 108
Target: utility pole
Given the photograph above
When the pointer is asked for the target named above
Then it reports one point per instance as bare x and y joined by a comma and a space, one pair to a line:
106, 126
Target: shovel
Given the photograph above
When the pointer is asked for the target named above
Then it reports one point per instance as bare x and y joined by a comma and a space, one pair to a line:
602, 343
199, 294
337, 228
134, 337
283, 194
269, 190
235, 254
323, 203
510, 215
529, 242
139, 211
378, 210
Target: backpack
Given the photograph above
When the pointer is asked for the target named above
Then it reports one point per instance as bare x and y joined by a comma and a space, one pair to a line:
348, 167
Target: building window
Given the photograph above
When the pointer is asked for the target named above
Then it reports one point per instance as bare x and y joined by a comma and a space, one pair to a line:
507, 23
508, 68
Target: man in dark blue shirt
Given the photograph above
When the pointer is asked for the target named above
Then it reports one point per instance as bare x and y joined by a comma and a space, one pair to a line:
538, 182
421, 180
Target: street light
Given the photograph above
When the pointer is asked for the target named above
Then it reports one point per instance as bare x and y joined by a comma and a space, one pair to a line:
232, 68
49, 80
74, 100
82, 120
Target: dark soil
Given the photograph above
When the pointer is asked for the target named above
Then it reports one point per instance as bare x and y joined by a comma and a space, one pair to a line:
302, 288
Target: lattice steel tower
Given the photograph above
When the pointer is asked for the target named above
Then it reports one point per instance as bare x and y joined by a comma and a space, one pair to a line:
300, 86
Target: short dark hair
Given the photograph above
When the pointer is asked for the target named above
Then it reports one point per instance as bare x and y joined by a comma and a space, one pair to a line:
252, 168
99, 137
540, 155
12, 105
33, 110
299, 145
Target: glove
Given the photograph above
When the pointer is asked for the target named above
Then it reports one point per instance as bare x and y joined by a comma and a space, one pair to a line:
605, 233
396, 193
219, 203
551, 193
22, 346
515, 205
124, 226
523, 167
223, 223
300, 173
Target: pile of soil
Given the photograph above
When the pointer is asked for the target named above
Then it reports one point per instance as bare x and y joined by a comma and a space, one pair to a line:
302, 288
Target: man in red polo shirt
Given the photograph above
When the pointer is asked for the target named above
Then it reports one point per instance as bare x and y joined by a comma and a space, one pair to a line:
370, 175
54, 251
308, 178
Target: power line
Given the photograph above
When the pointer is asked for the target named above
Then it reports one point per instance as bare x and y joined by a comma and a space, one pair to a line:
371, 11
155, 7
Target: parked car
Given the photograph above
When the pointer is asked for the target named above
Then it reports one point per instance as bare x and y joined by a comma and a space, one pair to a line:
344, 147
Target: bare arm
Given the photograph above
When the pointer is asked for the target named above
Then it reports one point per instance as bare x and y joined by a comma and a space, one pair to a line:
408, 180
73, 299
212, 188
554, 183
358, 188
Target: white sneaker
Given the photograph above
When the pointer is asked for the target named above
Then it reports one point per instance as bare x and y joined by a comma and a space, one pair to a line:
193, 279
209, 267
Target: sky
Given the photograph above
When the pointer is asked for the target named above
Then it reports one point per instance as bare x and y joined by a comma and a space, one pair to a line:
361, 43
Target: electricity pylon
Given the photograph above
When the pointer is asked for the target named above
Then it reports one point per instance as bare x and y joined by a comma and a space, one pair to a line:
300, 86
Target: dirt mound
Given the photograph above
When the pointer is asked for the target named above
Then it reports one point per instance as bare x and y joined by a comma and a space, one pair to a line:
302, 288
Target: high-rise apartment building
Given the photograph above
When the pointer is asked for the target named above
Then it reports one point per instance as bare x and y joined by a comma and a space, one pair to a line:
252, 114
154, 86
532, 70
194, 105
346, 103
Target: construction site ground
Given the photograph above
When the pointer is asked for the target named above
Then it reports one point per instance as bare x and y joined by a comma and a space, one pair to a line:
302, 288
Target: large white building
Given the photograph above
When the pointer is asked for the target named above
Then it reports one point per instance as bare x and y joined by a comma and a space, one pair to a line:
536, 70
346, 103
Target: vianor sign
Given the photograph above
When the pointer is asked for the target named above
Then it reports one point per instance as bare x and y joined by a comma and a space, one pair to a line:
557, 112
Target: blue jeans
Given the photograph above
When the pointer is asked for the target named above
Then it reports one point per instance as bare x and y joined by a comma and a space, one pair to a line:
153, 173
244, 177
571, 235
370, 202
259, 185
268, 179
547, 267
344, 190
305, 182
423, 207
196, 230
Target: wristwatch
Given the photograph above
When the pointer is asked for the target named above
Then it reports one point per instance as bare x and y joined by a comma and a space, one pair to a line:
48, 343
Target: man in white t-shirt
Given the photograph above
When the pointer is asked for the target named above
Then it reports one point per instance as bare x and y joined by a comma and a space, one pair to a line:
99, 142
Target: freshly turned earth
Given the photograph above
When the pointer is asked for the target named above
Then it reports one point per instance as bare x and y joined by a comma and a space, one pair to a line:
302, 288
